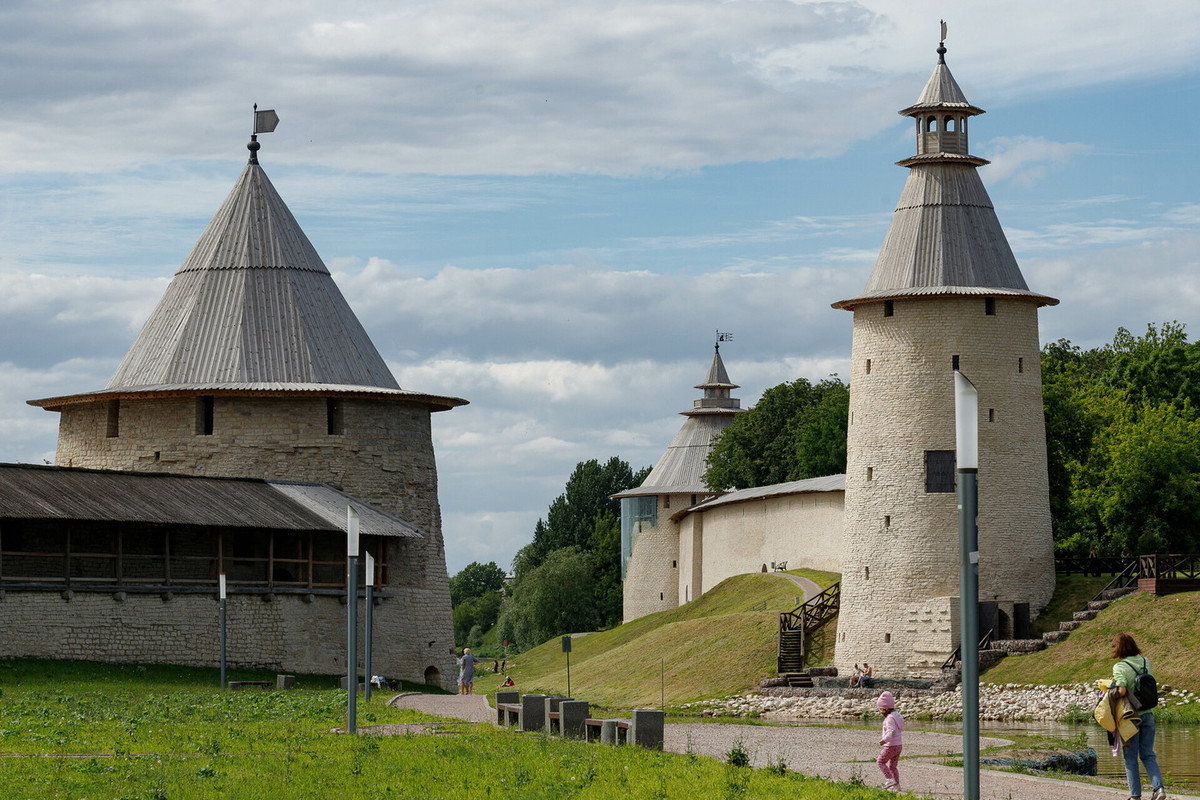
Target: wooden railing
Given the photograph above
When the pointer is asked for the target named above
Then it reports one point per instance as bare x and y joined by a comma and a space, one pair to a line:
807, 618
1122, 580
984, 644
1084, 565
1170, 566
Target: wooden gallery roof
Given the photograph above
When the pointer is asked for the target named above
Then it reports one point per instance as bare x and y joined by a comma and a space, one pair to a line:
34, 492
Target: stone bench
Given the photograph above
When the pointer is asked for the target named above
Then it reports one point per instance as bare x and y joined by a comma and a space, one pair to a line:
567, 717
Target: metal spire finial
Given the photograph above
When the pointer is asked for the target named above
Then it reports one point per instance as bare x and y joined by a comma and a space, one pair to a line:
941, 51
722, 337
264, 122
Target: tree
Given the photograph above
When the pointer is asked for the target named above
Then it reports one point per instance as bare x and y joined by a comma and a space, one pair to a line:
478, 613
796, 430
551, 599
474, 580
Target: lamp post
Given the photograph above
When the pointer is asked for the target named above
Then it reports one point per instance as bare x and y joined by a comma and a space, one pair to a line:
370, 578
221, 594
351, 618
966, 428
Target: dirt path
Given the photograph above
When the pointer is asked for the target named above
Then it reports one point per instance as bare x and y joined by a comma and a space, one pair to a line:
838, 753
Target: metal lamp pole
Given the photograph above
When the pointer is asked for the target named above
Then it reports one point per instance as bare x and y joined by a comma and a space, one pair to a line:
966, 426
351, 618
221, 585
370, 578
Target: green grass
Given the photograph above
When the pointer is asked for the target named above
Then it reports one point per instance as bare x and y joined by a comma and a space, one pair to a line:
1071, 594
100, 731
1164, 627
711, 647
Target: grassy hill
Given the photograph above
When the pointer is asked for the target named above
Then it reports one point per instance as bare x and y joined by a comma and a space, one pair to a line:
1164, 627
719, 644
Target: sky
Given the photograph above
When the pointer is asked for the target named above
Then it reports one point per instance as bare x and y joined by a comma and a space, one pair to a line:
549, 208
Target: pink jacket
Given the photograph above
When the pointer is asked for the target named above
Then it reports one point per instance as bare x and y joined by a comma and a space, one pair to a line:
893, 723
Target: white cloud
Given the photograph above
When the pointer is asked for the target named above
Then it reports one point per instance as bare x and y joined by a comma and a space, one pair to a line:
1027, 159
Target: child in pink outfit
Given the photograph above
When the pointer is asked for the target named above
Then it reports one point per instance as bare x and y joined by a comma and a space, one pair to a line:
889, 757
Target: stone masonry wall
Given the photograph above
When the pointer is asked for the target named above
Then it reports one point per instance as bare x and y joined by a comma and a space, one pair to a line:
900, 544
805, 530
385, 456
652, 577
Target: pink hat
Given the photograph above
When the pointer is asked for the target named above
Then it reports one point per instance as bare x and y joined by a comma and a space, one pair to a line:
886, 701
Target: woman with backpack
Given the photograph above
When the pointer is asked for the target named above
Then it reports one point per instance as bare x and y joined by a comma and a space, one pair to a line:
1132, 678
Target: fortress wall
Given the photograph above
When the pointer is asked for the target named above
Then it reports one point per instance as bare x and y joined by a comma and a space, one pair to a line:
652, 575
385, 456
804, 530
901, 543
286, 634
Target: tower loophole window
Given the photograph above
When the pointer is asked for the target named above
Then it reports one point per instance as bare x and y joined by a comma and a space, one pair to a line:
335, 417
1020, 365
868, 366
939, 471
889, 308
204, 415
113, 427
989, 306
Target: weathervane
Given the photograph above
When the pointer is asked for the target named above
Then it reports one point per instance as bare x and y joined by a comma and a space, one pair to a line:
722, 337
264, 122
941, 51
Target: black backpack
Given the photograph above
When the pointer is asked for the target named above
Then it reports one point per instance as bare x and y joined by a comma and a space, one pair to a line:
1145, 688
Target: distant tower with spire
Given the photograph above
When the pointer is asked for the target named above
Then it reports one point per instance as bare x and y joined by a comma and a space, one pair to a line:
253, 365
651, 550
946, 293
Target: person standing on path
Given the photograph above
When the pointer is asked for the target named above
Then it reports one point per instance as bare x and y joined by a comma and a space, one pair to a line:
468, 662
1130, 664
889, 757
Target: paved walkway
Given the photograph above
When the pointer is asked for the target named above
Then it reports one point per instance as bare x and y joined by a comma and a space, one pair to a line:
808, 588
838, 753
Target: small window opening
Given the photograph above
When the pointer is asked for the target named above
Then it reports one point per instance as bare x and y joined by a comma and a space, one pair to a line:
866, 573
660, 596
673, 563
870, 473
954, 363
989, 306
991, 415
113, 429
667, 501
1020, 365
204, 415
932, 124
868, 366
851, 417
157, 455
889, 308
949, 123
335, 418
693, 499
887, 520
887, 638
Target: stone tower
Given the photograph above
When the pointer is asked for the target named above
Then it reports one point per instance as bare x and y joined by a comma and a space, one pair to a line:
946, 293
651, 551
253, 365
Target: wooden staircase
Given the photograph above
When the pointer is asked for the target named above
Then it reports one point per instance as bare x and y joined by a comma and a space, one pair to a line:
794, 628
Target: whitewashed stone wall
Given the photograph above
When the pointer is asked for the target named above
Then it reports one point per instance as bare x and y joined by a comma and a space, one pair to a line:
901, 544
385, 457
652, 574
805, 530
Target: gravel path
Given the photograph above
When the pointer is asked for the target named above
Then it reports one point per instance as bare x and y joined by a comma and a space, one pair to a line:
838, 753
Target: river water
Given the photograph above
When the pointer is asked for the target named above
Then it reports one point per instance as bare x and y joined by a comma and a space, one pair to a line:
1177, 746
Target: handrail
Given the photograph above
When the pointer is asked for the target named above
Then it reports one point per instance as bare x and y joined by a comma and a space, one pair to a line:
807, 618
758, 606
984, 644
1124, 578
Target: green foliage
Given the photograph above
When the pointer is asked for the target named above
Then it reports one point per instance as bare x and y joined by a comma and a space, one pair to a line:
477, 614
1121, 432
552, 599
796, 430
586, 519
475, 579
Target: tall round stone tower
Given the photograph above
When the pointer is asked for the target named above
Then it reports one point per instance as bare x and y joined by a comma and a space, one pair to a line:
658, 570
253, 365
946, 293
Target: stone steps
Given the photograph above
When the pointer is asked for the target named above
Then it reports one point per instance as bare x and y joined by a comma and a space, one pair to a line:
1084, 616
1054, 637
1067, 627
1098, 605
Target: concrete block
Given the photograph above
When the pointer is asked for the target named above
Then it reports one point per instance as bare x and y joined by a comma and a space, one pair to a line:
285, 681
608, 732
552, 703
362, 687
646, 729
501, 699
572, 714
533, 712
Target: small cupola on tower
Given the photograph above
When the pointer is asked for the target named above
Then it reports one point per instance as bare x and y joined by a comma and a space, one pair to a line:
941, 113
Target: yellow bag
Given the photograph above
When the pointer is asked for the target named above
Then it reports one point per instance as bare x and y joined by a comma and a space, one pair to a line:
1115, 714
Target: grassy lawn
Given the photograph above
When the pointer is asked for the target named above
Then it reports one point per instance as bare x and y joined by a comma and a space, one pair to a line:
1164, 627
1071, 594
722, 643
102, 731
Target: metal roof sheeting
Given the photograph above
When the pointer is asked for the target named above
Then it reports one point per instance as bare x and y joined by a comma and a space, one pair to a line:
827, 483
29, 491
252, 302
941, 91
435, 402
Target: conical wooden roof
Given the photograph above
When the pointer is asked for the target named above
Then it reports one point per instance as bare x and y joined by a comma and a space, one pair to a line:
945, 238
253, 308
